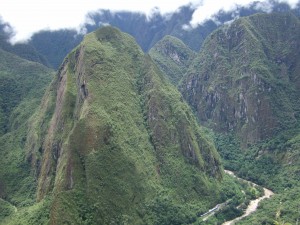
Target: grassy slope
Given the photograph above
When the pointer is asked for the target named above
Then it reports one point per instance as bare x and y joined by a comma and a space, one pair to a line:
231, 191
121, 146
22, 86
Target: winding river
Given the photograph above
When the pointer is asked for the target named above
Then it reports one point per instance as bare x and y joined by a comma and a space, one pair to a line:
250, 209
252, 205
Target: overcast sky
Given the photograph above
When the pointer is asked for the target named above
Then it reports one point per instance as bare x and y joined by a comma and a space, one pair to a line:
28, 16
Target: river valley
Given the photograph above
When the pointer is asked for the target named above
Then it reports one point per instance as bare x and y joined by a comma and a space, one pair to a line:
252, 207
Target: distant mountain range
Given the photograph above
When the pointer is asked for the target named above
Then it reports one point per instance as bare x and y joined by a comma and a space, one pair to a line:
50, 47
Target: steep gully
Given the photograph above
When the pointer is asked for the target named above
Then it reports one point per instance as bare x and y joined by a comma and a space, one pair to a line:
250, 209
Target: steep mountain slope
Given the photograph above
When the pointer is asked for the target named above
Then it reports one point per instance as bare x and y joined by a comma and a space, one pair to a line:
245, 85
20, 80
22, 85
172, 57
246, 77
120, 145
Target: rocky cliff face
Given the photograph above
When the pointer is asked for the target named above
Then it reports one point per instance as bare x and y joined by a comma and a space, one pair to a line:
246, 78
113, 138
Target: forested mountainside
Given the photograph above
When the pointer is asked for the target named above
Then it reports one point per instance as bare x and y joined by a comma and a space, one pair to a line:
112, 141
246, 78
22, 86
244, 84
20, 81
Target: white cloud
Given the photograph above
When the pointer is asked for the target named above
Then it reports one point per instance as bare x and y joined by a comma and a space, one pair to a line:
208, 8
292, 3
266, 6
29, 16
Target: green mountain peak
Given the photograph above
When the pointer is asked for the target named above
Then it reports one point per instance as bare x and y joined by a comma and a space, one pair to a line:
173, 57
113, 141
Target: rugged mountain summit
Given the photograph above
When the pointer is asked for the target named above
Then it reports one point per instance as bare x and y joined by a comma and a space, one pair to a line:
173, 57
246, 78
114, 142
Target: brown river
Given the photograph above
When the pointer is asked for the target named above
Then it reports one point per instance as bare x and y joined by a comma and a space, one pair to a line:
252, 205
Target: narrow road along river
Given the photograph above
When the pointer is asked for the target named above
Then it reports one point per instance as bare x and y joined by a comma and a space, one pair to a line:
253, 204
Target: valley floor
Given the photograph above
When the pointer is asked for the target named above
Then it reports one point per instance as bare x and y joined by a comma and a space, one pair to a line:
252, 207
253, 204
